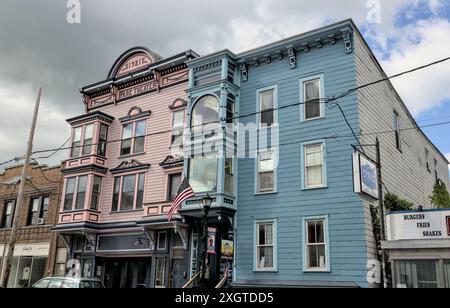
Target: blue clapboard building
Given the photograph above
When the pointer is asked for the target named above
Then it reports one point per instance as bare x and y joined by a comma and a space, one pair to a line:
286, 196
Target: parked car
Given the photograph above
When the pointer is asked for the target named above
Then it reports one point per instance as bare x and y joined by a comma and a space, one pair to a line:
68, 283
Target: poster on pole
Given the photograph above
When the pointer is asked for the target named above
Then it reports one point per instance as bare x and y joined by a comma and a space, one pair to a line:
212, 240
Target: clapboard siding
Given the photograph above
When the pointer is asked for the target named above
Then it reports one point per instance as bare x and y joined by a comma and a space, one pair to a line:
404, 173
347, 222
157, 148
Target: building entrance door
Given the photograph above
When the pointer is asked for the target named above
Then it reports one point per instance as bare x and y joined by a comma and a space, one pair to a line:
127, 273
178, 278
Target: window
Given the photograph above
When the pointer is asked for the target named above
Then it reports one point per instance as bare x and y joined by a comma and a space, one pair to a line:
427, 159
69, 195
316, 251
311, 92
266, 172
265, 246
96, 190
133, 138
174, 185
417, 274
162, 241
76, 142
87, 143
128, 193
267, 105
314, 166
81, 192
229, 176
177, 129
160, 273
8, 214
102, 140
203, 174
230, 108
205, 111
38, 211
397, 131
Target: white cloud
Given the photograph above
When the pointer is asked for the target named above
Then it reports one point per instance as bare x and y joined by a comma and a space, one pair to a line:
420, 44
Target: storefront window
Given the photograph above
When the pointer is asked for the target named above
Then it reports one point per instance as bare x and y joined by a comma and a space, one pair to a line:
417, 274
447, 273
26, 271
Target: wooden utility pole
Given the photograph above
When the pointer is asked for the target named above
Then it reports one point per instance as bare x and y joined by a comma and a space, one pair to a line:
20, 198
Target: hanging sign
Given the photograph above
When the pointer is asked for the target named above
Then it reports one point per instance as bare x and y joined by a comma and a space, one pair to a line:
365, 176
212, 240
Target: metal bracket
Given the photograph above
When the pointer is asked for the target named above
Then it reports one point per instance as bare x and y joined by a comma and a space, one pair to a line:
181, 233
346, 36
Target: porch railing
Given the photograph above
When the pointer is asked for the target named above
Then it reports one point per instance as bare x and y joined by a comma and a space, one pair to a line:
224, 280
192, 280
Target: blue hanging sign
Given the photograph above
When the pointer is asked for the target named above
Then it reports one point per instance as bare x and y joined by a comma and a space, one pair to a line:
365, 176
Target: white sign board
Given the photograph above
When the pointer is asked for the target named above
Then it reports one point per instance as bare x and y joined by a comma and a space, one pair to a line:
365, 176
32, 250
418, 225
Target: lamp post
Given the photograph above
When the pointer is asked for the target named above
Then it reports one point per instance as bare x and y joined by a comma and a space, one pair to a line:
206, 206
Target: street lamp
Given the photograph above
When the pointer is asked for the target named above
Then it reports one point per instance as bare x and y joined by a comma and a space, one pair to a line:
206, 207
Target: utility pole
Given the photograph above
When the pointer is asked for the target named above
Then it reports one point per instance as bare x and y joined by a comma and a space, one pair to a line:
20, 198
381, 206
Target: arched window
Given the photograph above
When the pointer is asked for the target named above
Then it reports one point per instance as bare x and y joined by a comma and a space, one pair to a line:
205, 111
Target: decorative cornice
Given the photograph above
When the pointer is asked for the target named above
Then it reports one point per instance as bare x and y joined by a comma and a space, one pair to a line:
292, 57
244, 71
172, 161
207, 66
346, 36
97, 115
85, 169
126, 166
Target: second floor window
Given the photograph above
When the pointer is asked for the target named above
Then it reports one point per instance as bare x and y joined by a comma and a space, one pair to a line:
174, 185
96, 190
128, 193
76, 193
38, 211
8, 214
133, 138
314, 164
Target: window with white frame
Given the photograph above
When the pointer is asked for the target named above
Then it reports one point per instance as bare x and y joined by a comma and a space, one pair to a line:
314, 165
128, 192
316, 244
267, 102
76, 142
265, 246
88, 137
266, 172
76, 190
133, 138
311, 99
8, 214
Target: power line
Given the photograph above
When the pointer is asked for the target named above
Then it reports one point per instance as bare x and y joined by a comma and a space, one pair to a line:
321, 100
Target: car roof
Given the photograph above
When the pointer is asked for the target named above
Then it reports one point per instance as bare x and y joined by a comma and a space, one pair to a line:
72, 279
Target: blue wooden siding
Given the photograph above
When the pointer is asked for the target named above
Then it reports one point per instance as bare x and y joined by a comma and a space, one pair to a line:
345, 211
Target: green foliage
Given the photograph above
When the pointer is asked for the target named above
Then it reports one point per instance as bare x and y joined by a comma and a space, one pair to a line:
440, 198
394, 203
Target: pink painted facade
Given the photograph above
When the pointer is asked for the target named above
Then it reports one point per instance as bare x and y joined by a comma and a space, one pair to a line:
117, 179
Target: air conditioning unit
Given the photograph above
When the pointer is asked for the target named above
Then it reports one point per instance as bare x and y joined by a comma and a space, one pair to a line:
41, 221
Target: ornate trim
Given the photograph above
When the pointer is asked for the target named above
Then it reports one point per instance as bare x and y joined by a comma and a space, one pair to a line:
292, 57
175, 105
84, 169
172, 161
98, 115
319, 43
346, 36
140, 114
207, 66
132, 165
244, 71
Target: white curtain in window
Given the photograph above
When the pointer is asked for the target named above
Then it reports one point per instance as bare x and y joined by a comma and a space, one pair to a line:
314, 165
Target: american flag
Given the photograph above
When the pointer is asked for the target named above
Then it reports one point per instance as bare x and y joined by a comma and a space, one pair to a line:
185, 192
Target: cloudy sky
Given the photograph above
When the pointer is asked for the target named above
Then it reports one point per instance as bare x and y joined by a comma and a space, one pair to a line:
39, 47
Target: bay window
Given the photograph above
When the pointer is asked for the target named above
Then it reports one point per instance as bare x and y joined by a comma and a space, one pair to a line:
265, 246
128, 192
76, 142
102, 140
75, 195
88, 136
133, 138
203, 174
84, 139
205, 111
229, 175
316, 256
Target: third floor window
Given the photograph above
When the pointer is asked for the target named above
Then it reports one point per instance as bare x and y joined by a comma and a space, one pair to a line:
85, 141
133, 138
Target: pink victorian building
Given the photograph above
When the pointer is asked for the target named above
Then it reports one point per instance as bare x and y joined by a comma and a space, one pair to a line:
124, 168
